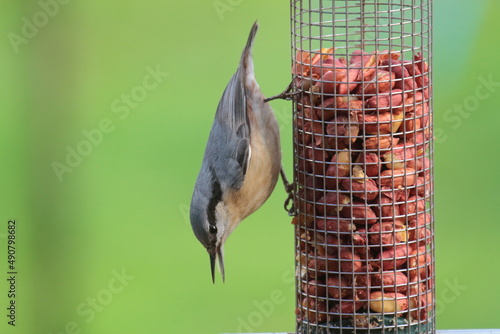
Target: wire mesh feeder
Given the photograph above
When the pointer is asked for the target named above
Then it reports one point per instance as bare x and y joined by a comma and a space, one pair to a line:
363, 156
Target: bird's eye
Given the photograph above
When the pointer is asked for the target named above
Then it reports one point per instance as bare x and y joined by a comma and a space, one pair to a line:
212, 229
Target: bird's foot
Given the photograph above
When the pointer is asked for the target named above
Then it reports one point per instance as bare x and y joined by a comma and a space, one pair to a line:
289, 188
290, 204
285, 95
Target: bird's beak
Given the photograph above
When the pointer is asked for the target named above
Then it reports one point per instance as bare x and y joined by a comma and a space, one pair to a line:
217, 252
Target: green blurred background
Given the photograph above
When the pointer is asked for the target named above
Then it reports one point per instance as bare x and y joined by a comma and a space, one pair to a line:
106, 247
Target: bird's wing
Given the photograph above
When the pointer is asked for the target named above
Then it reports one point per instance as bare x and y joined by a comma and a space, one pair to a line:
233, 124
232, 112
232, 127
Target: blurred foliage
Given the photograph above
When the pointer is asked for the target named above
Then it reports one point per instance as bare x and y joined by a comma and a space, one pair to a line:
105, 244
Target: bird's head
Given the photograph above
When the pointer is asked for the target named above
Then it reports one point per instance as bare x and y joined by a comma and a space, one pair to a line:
210, 224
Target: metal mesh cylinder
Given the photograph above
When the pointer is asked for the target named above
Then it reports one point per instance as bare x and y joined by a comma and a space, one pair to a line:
363, 166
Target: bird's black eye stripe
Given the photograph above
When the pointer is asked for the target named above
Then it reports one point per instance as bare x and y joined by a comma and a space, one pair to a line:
212, 229
215, 198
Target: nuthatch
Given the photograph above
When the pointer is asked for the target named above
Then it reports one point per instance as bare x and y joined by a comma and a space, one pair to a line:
242, 160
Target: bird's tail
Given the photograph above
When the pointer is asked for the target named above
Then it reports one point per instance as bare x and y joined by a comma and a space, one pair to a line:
246, 62
248, 48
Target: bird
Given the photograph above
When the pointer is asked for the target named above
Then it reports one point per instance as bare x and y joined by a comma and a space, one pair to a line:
241, 163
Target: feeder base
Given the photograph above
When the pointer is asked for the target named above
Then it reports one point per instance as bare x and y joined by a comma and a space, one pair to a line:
442, 331
373, 324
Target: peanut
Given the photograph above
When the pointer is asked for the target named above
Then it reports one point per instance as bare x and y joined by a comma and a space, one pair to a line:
359, 240
387, 210
391, 258
380, 143
348, 82
359, 56
383, 123
316, 159
314, 310
419, 262
344, 131
318, 267
331, 203
420, 234
326, 110
385, 101
419, 220
335, 225
363, 231
338, 287
345, 308
358, 210
370, 163
414, 205
315, 288
400, 156
387, 233
407, 82
389, 302
304, 134
349, 260
365, 188
340, 167
380, 82
362, 283
395, 178
390, 281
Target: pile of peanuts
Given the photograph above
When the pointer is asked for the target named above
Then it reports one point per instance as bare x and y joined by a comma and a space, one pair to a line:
363, 224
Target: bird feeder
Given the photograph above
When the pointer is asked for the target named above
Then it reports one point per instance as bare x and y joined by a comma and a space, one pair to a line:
363, 166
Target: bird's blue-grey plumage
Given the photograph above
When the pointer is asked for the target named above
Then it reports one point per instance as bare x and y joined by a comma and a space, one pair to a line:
244, 125
226, 155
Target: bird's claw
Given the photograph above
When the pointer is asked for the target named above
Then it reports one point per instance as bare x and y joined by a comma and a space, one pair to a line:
290, 204
290, 190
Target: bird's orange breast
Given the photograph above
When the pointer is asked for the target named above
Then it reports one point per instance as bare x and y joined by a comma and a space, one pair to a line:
260, 180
